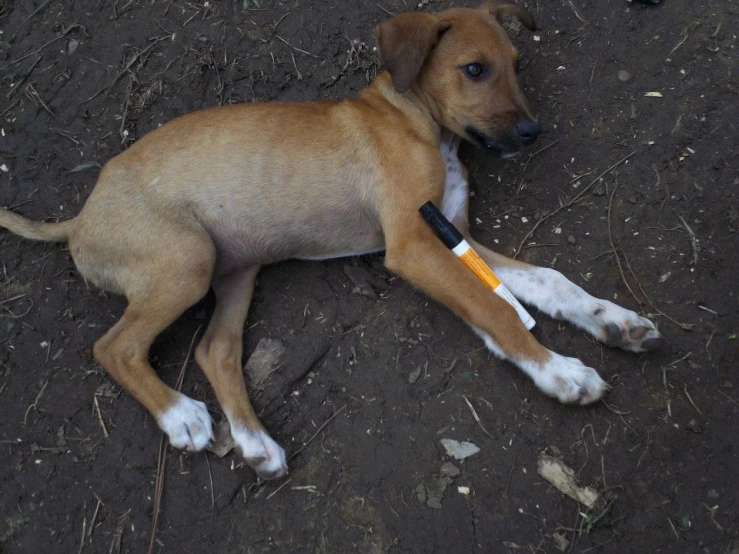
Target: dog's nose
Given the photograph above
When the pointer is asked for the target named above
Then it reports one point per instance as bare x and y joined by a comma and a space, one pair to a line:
527, 130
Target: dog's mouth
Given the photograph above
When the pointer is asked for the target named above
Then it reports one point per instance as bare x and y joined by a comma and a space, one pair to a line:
503, 147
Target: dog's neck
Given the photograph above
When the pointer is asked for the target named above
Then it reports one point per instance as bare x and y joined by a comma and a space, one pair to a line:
413, 102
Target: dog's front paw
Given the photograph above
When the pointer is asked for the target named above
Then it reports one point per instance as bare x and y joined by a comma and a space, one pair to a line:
263, 455
187, 424
569, 380
625, 329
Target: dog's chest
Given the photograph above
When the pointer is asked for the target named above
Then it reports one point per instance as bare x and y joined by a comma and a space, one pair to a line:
455, 186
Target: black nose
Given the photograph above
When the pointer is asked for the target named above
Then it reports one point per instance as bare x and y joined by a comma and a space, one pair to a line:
527, 130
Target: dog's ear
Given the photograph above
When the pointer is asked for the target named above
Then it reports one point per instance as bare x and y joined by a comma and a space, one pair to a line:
405, 42
501, 11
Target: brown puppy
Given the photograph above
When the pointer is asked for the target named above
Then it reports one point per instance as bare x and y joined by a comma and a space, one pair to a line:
209, 198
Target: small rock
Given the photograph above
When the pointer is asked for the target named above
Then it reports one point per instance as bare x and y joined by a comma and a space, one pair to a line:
421, 493
363, 281
632, 199
459, 450
448, 469
560, 541
414, 375
623, 76
713, 493
571, 240
72, 45
264, 361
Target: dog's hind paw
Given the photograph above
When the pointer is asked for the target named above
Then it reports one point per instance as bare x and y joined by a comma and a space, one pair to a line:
263, 455
568, 380
187, 424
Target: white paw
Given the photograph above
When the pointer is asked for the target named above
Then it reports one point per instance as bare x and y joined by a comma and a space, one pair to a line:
617, 326
263, 455
568, 380
187, 424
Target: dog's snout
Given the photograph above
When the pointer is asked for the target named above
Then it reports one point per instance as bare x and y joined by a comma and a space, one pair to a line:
527, 131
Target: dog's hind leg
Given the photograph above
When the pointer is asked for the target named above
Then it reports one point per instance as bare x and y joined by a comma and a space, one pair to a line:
219, 355
159, 287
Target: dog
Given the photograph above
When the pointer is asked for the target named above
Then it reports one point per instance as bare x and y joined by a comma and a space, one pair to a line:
207, 199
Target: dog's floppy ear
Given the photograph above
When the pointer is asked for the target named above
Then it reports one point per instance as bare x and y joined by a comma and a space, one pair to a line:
501, 11
405, 42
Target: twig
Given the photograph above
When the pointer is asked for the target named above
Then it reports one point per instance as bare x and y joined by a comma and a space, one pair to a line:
683, 326
278, 489
693, 239
26, 20
162, 458
729, 398
12, 91
687, 394
35, 402
576, 14
12, 299
477, 418
94, 516
673, 528
305, 444
65, 32
84, 528
614, 410
613, 246
508, 479
673, 363
300, 77
210, 476
391, 14
571, 202
132, 61
520, 182
686, 34
100, 417
295, 47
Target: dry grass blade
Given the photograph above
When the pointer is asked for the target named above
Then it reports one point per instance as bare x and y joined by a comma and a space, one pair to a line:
162, 459
693, 239
305, 444
477, 418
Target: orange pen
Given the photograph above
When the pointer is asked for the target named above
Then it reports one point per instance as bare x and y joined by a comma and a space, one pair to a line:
454, 240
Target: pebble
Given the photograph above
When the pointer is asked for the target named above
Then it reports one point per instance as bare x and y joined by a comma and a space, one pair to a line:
624, 76
572, 240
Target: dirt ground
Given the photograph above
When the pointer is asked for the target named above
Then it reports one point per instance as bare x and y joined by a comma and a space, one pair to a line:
389, 371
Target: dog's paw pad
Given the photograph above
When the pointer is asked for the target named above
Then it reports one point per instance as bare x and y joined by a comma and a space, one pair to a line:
570, 381
625, 329
188, 424
263, 454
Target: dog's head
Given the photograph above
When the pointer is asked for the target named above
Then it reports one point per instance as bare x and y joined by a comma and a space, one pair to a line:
462, 64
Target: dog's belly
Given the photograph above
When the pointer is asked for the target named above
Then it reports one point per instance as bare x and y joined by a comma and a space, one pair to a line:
316, 234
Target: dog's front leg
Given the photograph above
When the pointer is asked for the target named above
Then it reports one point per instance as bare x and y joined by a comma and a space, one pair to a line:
414, 253
552, 293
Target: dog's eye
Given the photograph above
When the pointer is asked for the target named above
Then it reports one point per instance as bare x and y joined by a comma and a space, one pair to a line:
474, 70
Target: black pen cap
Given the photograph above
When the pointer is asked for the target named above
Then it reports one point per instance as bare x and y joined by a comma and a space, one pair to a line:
447, 232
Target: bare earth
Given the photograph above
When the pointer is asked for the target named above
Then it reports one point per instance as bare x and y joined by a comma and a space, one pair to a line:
81, 80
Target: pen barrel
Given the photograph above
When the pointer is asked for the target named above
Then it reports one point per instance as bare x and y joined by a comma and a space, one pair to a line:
454, 240
474, 263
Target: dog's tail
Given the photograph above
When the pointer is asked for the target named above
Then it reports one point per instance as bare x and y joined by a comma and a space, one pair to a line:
36, 230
